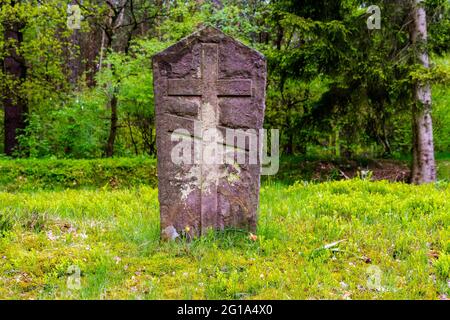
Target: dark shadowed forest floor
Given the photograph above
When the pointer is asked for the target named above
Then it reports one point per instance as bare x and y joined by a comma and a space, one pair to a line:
320, 170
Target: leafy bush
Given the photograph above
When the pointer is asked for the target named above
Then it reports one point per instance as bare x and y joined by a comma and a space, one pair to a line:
33, 174
441, 117
77, 129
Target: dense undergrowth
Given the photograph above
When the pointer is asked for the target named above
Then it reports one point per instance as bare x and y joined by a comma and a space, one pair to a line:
26, 175
53, 174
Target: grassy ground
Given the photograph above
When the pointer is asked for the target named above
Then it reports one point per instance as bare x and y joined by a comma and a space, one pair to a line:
338, 240
443, 168
31, 175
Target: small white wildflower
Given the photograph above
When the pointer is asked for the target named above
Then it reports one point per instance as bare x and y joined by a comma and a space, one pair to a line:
343, 285
50, 236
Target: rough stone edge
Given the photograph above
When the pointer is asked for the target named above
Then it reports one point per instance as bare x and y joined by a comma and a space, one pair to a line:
186, 41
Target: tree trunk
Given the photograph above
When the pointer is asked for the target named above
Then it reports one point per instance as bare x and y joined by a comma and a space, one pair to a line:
337, 142
109, 151
290, 144
74, 63
14, 105
423, 164
114, 23
130, 130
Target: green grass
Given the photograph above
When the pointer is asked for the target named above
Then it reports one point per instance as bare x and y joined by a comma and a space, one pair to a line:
443, 169
59, 174
31, 175
396, 233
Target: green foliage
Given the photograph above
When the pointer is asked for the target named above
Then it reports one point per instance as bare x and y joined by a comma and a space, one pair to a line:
334, 87
42, 49
48, 174
76, 130
133, 85
439, 28
369, 75
30, 175
441, 114
444, 169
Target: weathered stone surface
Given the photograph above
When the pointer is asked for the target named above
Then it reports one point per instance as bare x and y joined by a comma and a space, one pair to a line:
213, 81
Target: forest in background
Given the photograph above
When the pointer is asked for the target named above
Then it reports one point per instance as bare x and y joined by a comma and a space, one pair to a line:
335, 88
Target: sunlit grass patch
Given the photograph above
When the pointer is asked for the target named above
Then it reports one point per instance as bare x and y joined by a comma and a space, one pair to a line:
339, 240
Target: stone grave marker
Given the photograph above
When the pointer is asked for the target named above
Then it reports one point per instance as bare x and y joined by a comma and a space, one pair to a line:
209, 104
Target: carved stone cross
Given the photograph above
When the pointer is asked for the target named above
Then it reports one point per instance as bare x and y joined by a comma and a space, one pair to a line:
212, 80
